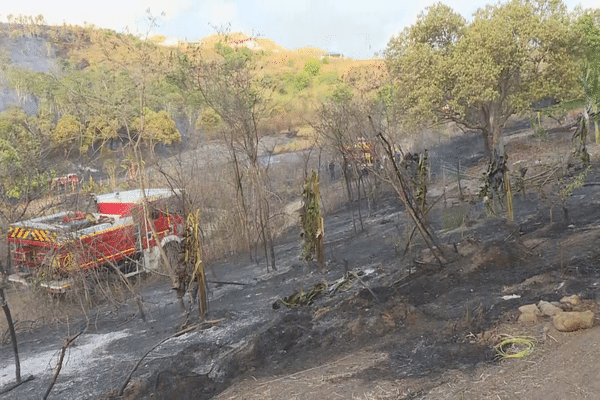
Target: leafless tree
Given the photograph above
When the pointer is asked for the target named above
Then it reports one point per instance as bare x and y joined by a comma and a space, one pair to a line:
231, 87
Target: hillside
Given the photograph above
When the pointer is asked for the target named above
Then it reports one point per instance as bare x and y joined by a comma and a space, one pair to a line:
408, 329
42, 59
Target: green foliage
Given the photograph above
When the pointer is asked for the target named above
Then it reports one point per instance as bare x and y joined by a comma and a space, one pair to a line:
536, 125
342, 94
291, 63
588, 26
158, 127
222, 49
20, 159
329, 78
453, 218
567, 189
312, 66
68, 129
326, 60
209, 120
385, 95
302, 80
479, 74
102, 128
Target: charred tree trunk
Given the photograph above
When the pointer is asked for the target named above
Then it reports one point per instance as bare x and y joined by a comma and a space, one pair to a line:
270, 238
346, 170
311, 220
11, 325
421, 224
358, 174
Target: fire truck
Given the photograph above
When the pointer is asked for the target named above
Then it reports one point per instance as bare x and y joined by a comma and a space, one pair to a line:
64, 181
49, 250
362, 153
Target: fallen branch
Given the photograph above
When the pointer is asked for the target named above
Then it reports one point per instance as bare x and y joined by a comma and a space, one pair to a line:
66, 344
228, 283
415, 227
16, 385
587, 228
365, 285
182, 332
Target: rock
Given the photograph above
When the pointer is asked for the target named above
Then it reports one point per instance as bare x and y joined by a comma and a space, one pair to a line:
572, 300
530, 309
529, 318
548, 309
530, 313
487, 335
572, 321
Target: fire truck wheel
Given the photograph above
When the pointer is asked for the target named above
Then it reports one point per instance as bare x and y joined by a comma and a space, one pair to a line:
173, 251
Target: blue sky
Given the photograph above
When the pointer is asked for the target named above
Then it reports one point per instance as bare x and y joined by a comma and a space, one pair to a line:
355, 28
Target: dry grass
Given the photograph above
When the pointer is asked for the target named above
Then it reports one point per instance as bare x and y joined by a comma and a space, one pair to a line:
294, 145
30, 309
337, 379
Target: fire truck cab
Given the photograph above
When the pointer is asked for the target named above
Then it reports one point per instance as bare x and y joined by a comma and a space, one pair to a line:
48, 250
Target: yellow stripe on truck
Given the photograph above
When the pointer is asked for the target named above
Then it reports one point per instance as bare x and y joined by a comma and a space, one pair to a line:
14, 231
36, 234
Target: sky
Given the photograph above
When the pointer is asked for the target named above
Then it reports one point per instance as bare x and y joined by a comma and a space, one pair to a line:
356, 28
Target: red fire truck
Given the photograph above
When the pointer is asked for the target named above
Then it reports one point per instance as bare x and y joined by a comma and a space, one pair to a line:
48, 250
362, 153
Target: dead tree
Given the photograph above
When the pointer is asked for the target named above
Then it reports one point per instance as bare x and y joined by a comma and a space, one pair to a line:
497, 184
402, 188
11, 325
580, 156
311, 220
193, 261
230, 87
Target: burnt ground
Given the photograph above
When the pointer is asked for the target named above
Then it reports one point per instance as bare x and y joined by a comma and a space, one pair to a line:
409, 330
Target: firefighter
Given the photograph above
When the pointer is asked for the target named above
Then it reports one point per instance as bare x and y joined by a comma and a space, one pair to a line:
331, 170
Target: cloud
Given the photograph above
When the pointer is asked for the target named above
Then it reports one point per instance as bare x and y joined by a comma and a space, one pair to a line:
219, 13
355, 27
113, 14
171, 8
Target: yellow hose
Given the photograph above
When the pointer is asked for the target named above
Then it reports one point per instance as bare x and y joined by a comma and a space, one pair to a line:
528, 343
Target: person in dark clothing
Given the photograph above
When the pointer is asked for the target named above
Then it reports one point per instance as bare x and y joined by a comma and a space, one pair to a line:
331, 170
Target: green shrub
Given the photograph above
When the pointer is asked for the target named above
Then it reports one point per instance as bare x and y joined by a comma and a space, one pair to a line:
312, 66
329, 78
302, 80
208, 120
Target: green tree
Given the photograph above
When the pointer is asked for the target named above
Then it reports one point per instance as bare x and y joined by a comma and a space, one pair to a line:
68, 129
231, 86
588, 24
21, 156
209, 120
101, 128
479, 74
159, 128
312, 66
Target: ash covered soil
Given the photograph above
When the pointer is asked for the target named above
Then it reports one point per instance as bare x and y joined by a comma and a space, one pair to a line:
405, 329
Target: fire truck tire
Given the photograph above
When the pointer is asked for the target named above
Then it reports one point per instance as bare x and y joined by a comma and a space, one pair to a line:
173, 252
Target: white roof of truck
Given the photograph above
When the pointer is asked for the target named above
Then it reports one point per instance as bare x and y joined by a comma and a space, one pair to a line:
136, 196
